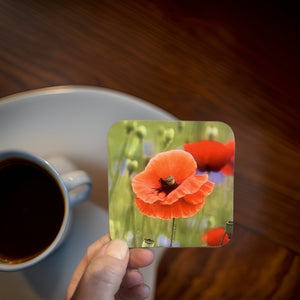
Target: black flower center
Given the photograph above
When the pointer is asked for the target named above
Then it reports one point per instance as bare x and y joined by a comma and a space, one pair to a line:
167, 185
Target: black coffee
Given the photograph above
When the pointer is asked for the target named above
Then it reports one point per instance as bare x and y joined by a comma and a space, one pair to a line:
31, 210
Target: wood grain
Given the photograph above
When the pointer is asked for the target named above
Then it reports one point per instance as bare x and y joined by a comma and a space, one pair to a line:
249, 267
236, 62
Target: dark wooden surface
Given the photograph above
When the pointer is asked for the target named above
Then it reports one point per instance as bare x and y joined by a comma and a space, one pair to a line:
200, 60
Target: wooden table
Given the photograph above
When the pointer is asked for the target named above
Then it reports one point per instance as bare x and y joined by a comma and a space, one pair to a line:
200, 60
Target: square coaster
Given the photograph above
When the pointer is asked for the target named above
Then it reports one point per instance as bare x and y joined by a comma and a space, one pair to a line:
171, 183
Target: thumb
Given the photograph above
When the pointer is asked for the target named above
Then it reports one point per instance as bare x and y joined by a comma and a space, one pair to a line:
104, 274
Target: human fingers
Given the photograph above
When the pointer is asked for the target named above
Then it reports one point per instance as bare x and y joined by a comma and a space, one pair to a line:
132, 278
91, 252
140, 257
137, 292
133, 286
104, 273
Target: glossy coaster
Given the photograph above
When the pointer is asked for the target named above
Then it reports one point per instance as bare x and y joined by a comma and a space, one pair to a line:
171, 183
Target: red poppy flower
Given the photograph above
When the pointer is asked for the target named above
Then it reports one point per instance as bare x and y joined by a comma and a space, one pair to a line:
215, 237
228, 169
209, 155
168, 187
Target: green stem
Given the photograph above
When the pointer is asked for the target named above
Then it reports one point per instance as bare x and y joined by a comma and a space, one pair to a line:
133, 217
166, 146
222, 239
117, 173
173, 232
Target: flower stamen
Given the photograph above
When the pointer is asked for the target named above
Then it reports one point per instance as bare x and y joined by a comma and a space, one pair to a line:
170, 180
167, 185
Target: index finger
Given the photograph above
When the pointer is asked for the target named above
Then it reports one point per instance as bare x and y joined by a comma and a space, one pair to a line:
91, 252
140, 257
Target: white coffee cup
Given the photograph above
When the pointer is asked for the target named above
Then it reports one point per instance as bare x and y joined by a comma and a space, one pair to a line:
35, 202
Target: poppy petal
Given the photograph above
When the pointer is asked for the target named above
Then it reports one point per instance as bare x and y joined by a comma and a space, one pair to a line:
201, 194
215, 236
209, 155
228, 169
145, 185
230, 145
181, 208
176, 163
189, 186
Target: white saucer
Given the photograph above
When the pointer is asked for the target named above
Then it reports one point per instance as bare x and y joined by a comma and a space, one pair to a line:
72, 121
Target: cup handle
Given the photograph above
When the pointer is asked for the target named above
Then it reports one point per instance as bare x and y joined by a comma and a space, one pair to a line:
78, 184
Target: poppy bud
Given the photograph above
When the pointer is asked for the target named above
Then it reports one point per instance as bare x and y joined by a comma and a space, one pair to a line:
141, 132
132, 147
229, 228
211, 222
212, 132
180, 126
169, 135
160, 131
131, 165
148, 243
129, 126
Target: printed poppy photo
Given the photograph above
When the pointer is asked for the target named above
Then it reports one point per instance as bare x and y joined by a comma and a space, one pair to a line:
171, 183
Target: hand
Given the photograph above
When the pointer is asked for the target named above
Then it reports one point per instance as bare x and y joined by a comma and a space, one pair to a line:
109, 270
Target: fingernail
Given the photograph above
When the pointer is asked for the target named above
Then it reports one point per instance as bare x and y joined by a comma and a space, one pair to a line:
117, 249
